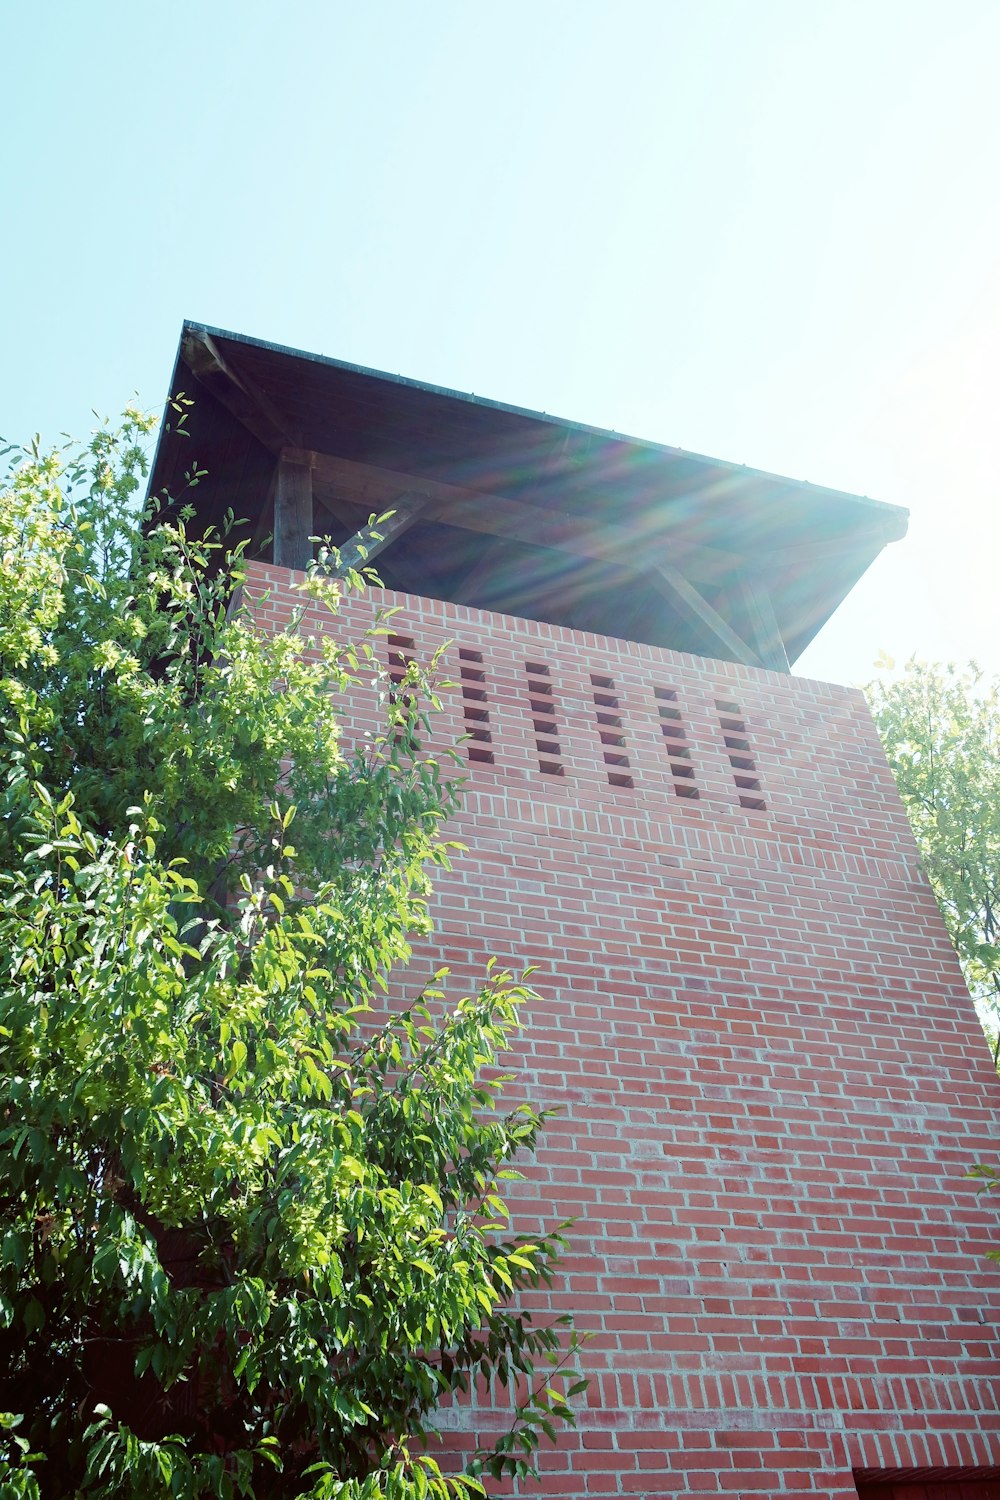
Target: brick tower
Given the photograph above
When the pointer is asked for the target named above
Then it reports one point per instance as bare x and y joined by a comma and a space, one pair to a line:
771, 1075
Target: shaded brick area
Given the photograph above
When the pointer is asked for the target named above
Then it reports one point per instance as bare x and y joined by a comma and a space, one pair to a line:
924, 1484
771, 1076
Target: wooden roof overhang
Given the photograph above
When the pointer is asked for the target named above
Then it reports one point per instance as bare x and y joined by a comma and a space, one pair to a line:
512, 510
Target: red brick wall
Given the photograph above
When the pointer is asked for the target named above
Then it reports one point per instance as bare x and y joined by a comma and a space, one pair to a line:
772, 1076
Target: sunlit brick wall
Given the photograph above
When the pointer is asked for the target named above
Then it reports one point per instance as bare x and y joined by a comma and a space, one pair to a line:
771, 1075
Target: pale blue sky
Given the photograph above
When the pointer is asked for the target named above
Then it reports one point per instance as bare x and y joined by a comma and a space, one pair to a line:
766, 230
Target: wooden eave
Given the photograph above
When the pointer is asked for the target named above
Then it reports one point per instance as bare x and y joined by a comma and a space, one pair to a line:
511, 509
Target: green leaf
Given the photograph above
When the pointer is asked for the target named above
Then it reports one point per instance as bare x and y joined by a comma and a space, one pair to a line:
247, 1199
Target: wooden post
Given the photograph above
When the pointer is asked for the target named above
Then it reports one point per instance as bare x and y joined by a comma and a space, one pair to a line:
293, 515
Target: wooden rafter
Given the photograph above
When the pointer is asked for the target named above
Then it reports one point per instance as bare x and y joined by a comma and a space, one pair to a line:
236, 391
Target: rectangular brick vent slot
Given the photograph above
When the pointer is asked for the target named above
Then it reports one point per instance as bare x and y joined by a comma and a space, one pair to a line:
676, 743
400, 649
610, 728
399, 645
479, 737
543, 719
734, 734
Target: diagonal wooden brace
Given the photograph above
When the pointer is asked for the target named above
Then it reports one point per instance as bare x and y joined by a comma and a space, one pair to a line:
695, 607
366, 544
765, 631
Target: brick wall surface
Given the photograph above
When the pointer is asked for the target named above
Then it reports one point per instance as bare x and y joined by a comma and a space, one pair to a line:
771, 1075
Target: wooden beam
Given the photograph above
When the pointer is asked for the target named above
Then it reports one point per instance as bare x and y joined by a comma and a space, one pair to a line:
293, 515
764, 630
236, 391
861, 548
374, 489
686, 598
366, 544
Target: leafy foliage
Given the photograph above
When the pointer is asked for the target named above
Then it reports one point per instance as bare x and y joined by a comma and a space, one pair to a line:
941, 732
251, 1223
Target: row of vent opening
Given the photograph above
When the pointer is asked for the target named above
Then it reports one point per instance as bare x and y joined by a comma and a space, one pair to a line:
541, 703
734, 732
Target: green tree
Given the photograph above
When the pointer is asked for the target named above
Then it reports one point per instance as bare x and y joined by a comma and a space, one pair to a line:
251, 1224
941, 730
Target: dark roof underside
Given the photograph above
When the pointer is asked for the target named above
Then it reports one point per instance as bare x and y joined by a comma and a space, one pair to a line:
806, 545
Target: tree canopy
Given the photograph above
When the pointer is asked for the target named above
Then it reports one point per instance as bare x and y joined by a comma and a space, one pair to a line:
252, 1231
941, 730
